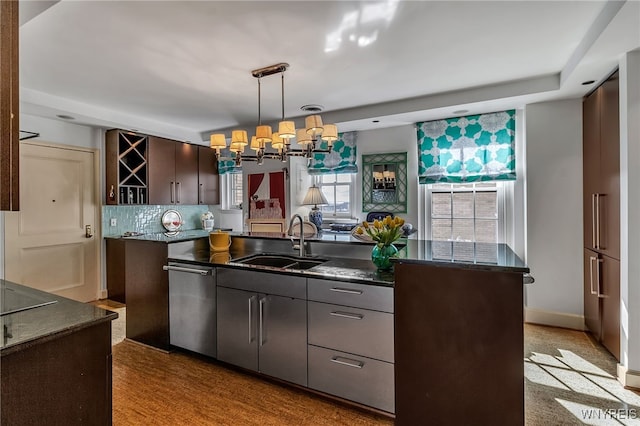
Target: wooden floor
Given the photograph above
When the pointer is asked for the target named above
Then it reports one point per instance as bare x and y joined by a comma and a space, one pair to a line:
152, 387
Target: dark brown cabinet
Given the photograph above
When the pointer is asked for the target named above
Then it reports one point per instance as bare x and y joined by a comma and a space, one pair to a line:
480, 372
9, 114
208, 180
601, 169
126, 167
601, 213
602, 299
173, 172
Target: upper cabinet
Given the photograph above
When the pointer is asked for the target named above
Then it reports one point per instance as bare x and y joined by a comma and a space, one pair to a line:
601, 169
208, 179
142, 169
9, 114
173, 172
126, 167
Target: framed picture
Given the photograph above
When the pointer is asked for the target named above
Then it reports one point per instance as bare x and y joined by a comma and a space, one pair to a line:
384, 182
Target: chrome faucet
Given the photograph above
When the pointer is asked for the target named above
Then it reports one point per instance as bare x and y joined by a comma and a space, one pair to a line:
290, 233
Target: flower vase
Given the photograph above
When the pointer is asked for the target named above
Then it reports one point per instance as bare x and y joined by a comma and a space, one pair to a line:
381, 256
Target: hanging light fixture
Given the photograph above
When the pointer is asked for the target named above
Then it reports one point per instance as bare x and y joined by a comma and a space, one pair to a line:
281, 140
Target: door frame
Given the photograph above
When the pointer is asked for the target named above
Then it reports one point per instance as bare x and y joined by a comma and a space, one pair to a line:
97, 196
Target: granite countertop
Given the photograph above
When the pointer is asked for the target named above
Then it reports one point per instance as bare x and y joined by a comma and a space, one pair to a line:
456, 254
462, 254
341, 269
53, 316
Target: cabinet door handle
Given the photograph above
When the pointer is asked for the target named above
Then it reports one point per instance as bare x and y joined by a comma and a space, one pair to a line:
591, 259
347, 361
178, 192
593, 221
171, 192
346, 315
251, 319
201, 195
187, 270
598, 221
261, 318
346, 290
598, 263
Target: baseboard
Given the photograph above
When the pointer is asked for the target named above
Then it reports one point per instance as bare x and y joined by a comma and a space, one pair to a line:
630, 379
556, 319
103, 294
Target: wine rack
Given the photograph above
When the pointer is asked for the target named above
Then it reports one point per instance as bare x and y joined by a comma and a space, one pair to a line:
126, 168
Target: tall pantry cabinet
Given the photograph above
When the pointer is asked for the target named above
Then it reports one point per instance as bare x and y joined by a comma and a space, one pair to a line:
601, 210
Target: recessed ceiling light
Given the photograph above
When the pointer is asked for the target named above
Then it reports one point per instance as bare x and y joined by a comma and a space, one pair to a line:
375, 121
312, 108
65, 117
588, 82
461, 111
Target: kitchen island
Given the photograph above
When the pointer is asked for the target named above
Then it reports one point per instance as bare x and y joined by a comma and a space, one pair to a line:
455, 338
55, 356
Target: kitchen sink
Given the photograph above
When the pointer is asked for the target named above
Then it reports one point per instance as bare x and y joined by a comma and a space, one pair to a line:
280, 261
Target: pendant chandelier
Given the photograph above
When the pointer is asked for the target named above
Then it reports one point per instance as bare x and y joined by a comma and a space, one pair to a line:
281, 141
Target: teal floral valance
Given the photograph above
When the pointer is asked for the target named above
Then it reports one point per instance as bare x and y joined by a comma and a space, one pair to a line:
341, 159
226, 162
467, 149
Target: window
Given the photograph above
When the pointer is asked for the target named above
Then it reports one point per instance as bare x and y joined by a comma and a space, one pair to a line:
466, 212
337, 189
232, 187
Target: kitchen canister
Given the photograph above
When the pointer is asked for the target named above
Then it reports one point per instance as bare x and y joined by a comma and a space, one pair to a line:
219, 241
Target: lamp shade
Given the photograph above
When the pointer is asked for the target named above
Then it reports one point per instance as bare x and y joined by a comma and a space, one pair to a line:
263, 134
255, 145
239, 137
314, 197
276, 141
218, 141
237, 147
302, 138
313, 124
287, 129
330, 132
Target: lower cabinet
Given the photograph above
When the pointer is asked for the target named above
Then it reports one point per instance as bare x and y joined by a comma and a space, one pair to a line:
602, 299
351, 350
357, 378
331, 336
260, 331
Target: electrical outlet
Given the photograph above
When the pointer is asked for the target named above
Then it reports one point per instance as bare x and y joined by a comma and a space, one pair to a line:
114, 221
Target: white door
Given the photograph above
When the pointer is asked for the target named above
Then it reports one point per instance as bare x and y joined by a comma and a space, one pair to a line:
46, 244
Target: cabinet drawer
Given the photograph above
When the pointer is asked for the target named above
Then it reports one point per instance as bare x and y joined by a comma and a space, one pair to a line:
352, 377
365, 296
353, 330
263, 282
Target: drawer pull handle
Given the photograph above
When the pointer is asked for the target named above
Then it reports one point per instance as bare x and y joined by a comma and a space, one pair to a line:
347, 315
348, 362
183, 269
346, 290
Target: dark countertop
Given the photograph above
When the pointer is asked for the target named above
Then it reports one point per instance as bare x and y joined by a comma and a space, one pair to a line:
342, 269
54, 316
456, 254
462, 254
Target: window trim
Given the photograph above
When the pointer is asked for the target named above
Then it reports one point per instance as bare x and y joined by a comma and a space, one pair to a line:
227, 188
327, 217
504, 194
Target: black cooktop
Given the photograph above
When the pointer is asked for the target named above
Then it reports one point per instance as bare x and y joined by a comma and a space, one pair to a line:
13, 300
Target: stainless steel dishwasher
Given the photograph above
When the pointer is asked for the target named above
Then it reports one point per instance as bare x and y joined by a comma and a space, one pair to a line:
192, 307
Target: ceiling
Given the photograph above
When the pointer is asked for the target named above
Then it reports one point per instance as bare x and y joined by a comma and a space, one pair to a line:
182, 69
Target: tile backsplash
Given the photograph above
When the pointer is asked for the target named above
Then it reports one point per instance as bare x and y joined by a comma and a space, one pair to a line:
146, 218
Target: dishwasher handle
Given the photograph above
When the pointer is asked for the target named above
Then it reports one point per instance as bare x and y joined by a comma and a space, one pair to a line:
188, 270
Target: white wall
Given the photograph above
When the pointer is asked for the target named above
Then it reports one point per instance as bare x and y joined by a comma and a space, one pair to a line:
392, 139
554, 213
629, 219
